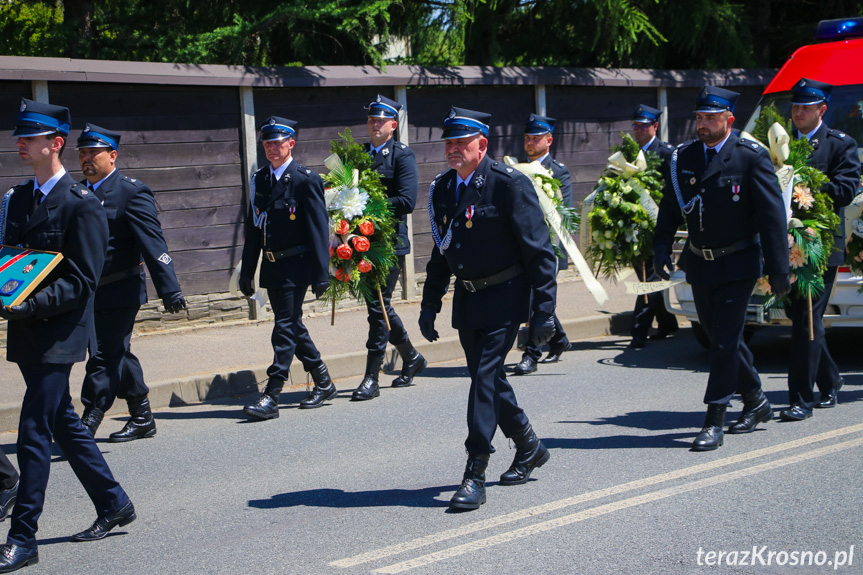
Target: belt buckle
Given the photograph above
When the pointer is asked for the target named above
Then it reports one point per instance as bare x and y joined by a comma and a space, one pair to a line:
468, 285
270, 257
708, 254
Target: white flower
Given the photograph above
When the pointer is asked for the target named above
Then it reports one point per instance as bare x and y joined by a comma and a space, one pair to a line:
858, 227
351, 202
615, 201
608, 233
547, 188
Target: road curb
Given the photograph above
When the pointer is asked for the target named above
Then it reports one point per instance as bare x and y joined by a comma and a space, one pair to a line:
208, 387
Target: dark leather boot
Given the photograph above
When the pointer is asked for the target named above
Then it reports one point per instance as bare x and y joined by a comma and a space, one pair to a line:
756, 409
529, 454
412, 364
368, 388
471, 494
711, 436
140, 425
92, 419
267, 406
324, 388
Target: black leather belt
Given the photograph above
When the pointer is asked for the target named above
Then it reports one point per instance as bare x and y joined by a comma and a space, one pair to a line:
474, 286
294, 251
120, 275
711, 254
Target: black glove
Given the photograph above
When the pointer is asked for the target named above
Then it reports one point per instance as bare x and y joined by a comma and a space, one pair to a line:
20, 311
246, 286
779, 285
426, 322
541, 328
319, 289
662, 265
174, 302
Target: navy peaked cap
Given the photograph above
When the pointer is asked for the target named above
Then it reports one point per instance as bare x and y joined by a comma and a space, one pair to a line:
537, 125
645, 115
807, 92
383, 107
38, 119
277, 128
95, 137
461, 122
712, 100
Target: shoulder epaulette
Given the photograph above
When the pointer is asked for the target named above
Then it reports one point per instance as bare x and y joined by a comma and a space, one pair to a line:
504, 169
555, 162
749, 144
836, 134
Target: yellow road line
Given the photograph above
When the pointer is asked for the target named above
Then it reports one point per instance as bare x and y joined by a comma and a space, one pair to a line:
434, 538
611, 507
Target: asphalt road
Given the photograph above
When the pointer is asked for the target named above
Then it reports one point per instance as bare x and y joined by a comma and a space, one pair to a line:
363, 487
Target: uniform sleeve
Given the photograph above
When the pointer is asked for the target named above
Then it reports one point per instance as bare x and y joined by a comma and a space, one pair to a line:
530, 230
770, 207
844, 173
438, 275
251, 245
319, 230
144, 221
84, 246
408, 179
565, 180
670, 217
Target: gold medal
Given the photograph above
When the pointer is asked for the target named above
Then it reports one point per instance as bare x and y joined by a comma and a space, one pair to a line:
444, 219
293, 216
692, 181
468, 224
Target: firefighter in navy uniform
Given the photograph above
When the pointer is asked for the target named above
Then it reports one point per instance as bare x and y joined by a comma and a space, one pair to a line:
726, 189
289, 224
489, 233
537, 141
397, 166
835, 154
50, 330
645, 122
134, 237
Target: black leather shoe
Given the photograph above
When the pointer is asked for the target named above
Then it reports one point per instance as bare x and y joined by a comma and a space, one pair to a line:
637, 342
14, 557
662, 333
318, 396
141, 423
525, 366
91, 419
830, 399
412, 364
7, 500
471, 494
554, 352
710, 438
796, 412
103, 525
530, 453
368, 389
752, 415
265, 408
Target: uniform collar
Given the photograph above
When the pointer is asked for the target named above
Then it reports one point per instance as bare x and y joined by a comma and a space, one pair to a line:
646, 146
102, 181
718, 146
280, 171
49, 185
379, 148
811, 134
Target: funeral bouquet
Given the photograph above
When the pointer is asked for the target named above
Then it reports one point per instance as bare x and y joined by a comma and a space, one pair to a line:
361, 223
812, 221
854, 257
624, 208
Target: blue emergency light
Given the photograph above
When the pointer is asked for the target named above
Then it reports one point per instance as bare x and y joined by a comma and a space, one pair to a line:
839, 29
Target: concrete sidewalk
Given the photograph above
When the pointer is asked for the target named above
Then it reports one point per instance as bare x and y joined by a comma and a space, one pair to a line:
193, 365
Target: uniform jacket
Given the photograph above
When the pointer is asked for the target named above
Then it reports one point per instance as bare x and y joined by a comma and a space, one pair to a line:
663, 149
397, 165
134, 235
561, 173
71, 221
835, 154
741, 168
508, 228
302, 190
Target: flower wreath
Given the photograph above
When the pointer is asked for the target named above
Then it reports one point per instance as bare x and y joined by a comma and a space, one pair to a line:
362, 228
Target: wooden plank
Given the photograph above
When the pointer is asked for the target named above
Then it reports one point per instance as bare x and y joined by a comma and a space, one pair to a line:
159, 155
200, 283
104, 100
204, 260
187, 177
213, 236
212, 216
206, 198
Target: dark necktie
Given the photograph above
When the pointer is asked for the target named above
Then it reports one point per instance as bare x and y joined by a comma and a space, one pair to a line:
711, 152
37, 199
460, 191
272, 180
373, 153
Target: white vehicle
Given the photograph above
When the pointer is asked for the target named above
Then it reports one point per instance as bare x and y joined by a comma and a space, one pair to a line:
836, 60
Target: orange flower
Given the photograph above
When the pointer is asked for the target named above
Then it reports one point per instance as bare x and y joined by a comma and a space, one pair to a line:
344, 252
364, 266
361, 244
796, 257
367, 228
342, 275
343, 227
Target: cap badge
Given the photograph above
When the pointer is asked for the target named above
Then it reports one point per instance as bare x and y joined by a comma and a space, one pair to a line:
86, 129
378, 99
451, 114
272, 122
23, 106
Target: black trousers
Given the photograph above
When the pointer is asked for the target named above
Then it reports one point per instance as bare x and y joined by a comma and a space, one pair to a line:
378, 333
810, 360
113, 370
8, 473
47, 413
722, 313
290, 335
491, 400
654, 307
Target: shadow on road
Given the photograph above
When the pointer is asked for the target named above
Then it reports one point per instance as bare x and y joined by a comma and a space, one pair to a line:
338, 498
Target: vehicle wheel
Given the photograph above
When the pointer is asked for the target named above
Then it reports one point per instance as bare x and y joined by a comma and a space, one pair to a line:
700, 335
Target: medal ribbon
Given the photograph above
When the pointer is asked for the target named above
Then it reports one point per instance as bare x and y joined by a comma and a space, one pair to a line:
14, 259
